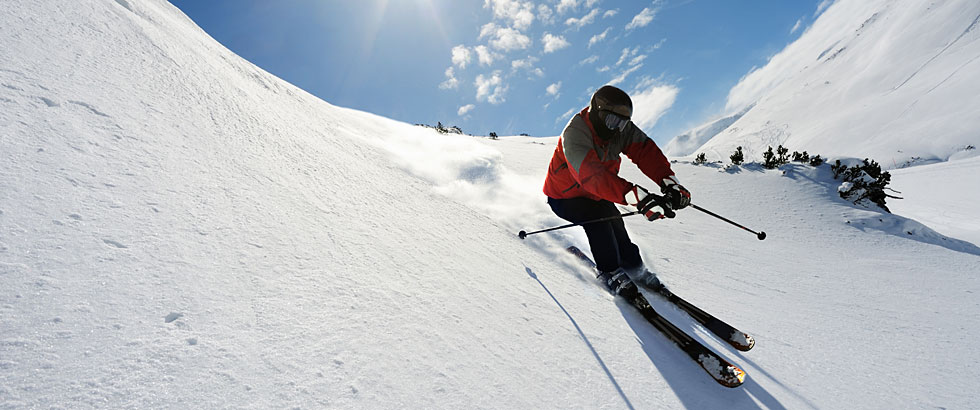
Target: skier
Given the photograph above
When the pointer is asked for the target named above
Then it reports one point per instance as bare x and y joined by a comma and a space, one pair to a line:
583, 182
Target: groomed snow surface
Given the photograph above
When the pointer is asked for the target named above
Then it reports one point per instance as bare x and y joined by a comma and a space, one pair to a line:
180, 229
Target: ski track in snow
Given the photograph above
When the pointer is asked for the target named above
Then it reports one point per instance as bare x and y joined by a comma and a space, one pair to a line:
181, 229
972, 26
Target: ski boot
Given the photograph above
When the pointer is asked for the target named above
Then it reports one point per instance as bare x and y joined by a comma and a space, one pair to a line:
648, 279
619, 283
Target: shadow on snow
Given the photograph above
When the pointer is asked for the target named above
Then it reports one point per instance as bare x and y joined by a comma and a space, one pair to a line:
677, 369
585, 339
878, 220
693, 387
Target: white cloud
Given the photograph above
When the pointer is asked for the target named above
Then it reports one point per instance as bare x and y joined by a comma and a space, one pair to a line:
638, 59
627, 53
451, 82
647, 82
590, 3
642, 19
650, 101
527, 64
490, 88
488, 30
504, 38
624, 74
465, 109
567, 115
553, 43
553, 89
623, 56
796, 27
461, 56
610, 13
585, 20
599, 37
484, 85
658, 45
823, 6
603, 69
523, 19
566, 5
485, 56
545, 14
520, 14
589, 60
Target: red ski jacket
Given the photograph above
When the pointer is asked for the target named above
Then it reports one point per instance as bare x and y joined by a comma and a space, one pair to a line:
586, 166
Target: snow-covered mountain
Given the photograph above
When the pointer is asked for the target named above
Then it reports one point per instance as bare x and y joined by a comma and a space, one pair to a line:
891, 80
180, 229
685, 144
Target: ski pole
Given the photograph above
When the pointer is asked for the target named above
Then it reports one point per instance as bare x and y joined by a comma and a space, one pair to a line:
660, 201
524, 234
760, 235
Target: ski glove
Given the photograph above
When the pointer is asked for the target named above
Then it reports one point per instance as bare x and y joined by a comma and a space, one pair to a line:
676, 195
644, 201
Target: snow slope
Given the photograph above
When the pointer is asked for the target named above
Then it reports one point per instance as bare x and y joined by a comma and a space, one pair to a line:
942, 196
178, 228
883, 79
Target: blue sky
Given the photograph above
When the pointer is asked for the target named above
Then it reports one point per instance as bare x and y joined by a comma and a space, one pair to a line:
510, 66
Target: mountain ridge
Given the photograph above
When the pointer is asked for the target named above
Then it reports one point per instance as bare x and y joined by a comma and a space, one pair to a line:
868, 79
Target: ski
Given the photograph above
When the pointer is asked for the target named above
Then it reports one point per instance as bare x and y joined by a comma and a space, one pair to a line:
736, 338
717, 367
724, 331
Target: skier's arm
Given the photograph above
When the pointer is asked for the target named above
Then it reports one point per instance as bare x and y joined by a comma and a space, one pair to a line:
651, 160
647, 155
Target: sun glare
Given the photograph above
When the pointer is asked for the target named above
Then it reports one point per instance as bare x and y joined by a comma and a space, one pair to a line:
425, 13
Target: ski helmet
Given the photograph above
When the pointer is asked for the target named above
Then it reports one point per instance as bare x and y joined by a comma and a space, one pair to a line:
614, 100
610, 111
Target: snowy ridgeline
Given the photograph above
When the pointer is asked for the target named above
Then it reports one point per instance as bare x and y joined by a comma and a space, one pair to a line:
179, 228
896, 81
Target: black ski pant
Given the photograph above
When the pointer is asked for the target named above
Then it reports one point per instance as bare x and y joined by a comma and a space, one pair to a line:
611, 245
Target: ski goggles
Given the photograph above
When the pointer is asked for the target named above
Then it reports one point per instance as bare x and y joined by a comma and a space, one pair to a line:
615, 121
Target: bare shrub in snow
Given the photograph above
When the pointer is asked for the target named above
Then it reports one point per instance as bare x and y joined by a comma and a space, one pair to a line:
862, 183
